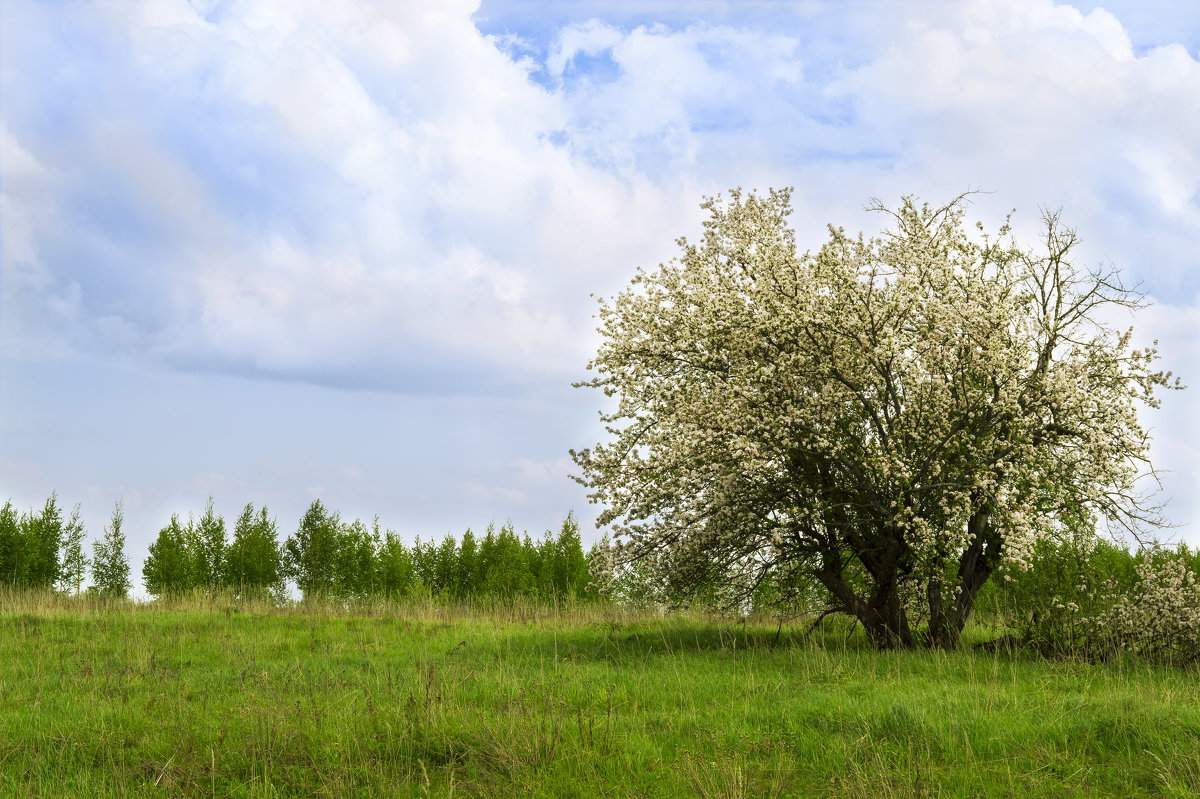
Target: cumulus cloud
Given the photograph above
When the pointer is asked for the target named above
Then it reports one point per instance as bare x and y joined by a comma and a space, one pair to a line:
353, 192
380, 195
1043, 104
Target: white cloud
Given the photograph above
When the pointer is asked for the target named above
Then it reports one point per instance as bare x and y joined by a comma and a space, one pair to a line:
360, 163
673, 94
589, 38
430, 210
1043, 104
375, 194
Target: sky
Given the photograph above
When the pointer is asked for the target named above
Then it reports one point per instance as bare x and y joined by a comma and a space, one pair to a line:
277, 250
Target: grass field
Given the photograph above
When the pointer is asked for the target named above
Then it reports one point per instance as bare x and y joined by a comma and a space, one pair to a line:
228, 700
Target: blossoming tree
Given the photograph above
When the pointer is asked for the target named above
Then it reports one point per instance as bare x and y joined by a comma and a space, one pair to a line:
890, 417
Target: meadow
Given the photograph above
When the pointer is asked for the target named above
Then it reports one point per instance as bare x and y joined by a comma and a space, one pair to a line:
223, 698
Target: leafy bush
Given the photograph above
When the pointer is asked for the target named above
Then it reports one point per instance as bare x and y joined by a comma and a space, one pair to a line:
1095, 599
1160, 618
1062, 579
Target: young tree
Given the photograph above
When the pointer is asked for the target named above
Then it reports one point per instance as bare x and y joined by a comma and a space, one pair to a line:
890, 416
356, 560
445, 567
464, 571
41, 539
424, 560
29, 545
169, 569
542, 559
208, 548
508, 571
74, 563
253, 562
397, 575
311, 555
569, 565
11, 561
485, 561
110, 566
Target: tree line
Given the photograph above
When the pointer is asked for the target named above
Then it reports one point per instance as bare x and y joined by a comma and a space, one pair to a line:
43, 549
1078, 595
325, 557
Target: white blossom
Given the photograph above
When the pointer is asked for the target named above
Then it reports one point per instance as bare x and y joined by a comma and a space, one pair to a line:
881, 413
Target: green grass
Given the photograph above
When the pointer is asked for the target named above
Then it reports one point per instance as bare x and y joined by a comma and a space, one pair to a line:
229, 700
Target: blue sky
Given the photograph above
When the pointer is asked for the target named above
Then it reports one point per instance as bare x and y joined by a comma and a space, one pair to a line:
271, 251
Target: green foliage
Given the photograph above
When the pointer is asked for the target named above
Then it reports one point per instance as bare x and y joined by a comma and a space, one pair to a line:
357, 571
42, 536
566, 564
311, 555
397, 576
367, 562
637, 584
506, 563
40, 550
1092, 599
467, 568
169, 570
74, 563
326, 557
208, 548
1059, 573
12, 566
110, 566
30, 544
253, 561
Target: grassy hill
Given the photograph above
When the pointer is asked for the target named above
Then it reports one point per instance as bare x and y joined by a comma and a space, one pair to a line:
228, 699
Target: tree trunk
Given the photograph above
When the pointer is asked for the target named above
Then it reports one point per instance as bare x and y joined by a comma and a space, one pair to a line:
882, 616
939, 625
975, 566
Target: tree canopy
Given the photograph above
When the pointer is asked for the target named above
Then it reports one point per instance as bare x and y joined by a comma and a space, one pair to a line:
889, 417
